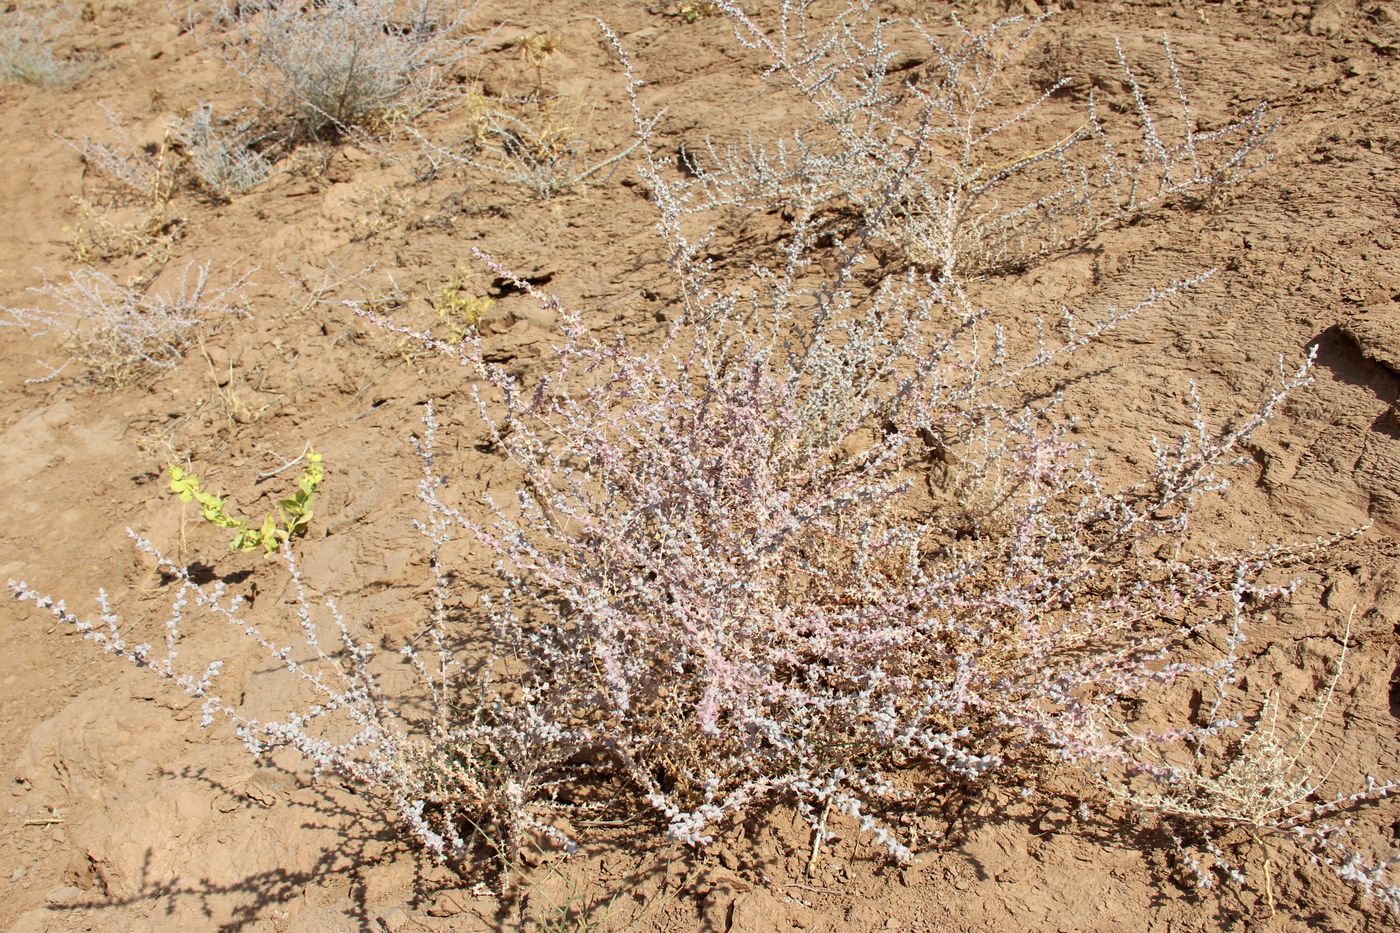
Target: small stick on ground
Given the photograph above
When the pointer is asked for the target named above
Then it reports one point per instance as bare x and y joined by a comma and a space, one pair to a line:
1268, 880
817, 835
285, 466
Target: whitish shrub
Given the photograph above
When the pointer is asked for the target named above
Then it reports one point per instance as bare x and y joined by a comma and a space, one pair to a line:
134, 172
27, 49
331, 66
115, 333
223, 159
950, 168
541, 148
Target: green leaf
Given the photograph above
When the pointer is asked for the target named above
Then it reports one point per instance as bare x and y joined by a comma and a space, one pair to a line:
186, 485
312, 476
269, 535
297, 526
213, 509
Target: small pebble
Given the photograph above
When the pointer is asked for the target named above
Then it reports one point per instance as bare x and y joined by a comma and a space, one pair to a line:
63, 894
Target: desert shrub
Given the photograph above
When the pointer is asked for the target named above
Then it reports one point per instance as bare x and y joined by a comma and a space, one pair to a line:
27, 49
539, 148
327, 67
132, 171
864, 577
963, 171
115, 333
127, 191
223, 159
1256, 787
531, 136
828, 540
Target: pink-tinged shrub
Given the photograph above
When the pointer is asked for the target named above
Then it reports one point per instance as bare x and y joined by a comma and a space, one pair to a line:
826, 541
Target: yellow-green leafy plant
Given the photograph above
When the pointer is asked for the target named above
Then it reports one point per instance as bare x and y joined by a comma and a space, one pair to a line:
458, 309
292, 518
695, 10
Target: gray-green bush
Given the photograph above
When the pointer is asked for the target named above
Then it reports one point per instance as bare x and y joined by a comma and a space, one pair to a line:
329, 67
27, 51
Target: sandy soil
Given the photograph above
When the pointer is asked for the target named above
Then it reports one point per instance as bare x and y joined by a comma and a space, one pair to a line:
121, 814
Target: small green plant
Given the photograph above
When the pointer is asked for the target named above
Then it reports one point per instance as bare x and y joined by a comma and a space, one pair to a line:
696, 10
691, 11
459, 310
291, 520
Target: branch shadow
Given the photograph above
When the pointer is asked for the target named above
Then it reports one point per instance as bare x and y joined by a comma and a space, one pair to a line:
363, 840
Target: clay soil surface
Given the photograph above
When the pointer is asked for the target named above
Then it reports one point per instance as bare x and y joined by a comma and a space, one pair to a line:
119, 813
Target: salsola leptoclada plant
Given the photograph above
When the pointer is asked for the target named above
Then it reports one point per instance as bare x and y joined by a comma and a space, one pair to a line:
116, 333
946, 164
